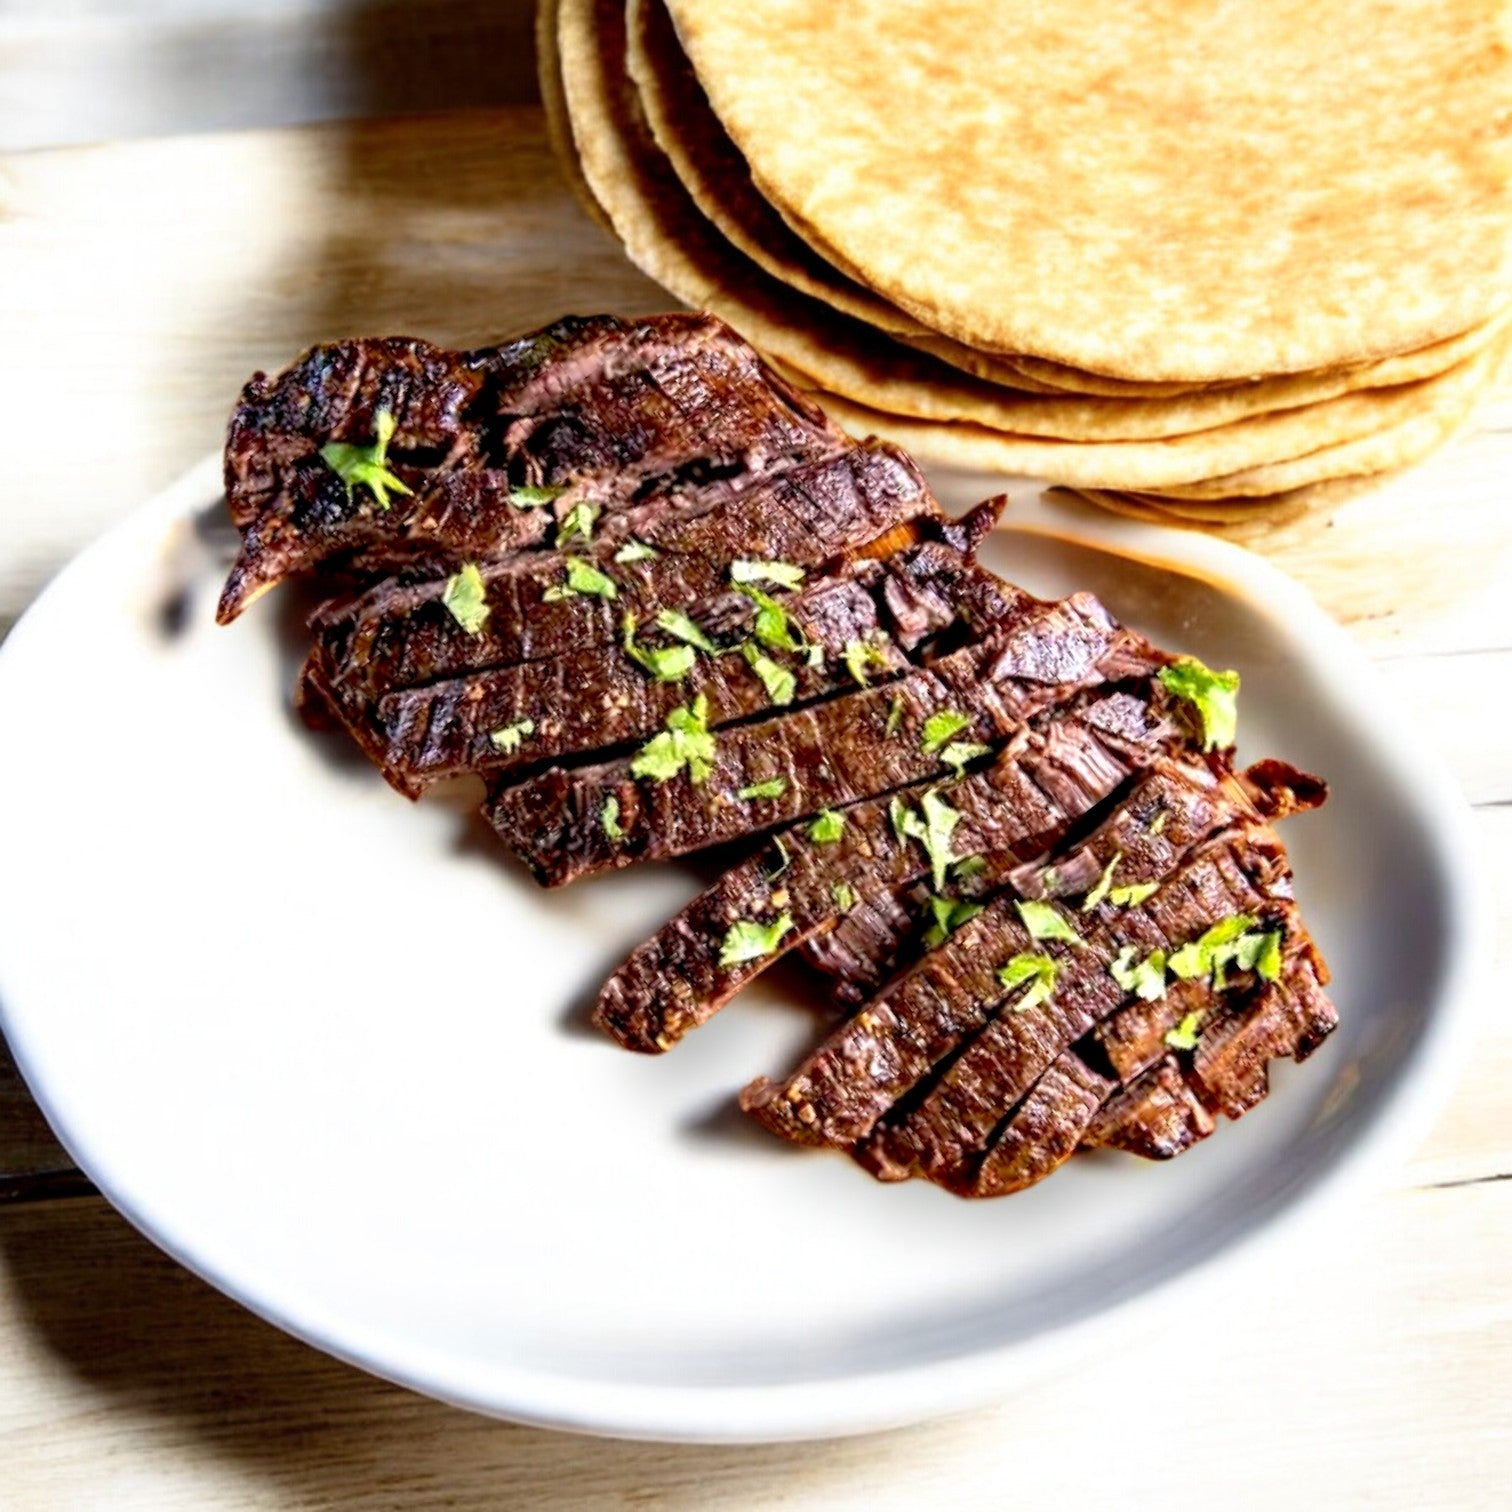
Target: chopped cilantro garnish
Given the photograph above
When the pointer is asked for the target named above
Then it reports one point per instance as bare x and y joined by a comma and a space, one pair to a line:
578, 521
827, 828
773, 787
1214, 695
959, 752
779, 682
466, 598
1045, 922
939, 728
844, 895
773, 626
686, 742
1104, 883
932, 830
1146, 978
783, 574
1039, 971
609, 818
894, 716
862, 654
532, 496
1132, 895
1213, 950
946, 916
664, 663
968, 867
508, 739
1184, 1035
748, 940
636, 551
366, 465
678, 625
582, 579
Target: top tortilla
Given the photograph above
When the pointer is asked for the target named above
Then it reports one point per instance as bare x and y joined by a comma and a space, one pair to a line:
1183, 193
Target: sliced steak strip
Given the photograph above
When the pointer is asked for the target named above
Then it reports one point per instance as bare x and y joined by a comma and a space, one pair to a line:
597, 405
1157, 1115
596, 697
676, 981
941, 1135
600, 697
1043, 1132
401, 635
1290, 1018
825, 756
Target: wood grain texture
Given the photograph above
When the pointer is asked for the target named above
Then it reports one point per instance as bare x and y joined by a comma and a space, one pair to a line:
139, 286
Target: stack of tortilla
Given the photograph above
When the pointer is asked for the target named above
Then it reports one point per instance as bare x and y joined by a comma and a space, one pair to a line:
1213, 263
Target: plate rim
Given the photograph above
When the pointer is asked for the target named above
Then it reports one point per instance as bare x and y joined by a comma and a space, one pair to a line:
862, 1402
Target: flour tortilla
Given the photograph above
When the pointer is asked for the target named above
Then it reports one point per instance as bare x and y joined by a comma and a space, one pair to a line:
1357, 433
1189, 193
669, 239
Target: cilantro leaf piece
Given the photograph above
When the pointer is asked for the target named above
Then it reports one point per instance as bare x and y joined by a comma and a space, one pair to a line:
748, 940
932, 829
1045, 922
466, 598
1038, 970
1267, 960
578, 521
779, 682
959, 752
1132, 895
534, 496
636, 551
685, 742
844, 895
678, 625
968, 867
664, 663
582, 579
827, 828
773, 787
367, 466
509, 738
1214, 695
1184, 1035
1104, 884
940, 821
609, 817
894, 716
1213, 950
947, 915
773, 626
859, 655
783, 574
1146, 978
939, 728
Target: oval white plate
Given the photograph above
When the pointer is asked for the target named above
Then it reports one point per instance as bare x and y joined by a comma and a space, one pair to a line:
327, 1048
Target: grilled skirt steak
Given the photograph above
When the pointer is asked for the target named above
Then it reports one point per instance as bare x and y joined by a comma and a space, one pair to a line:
642, 588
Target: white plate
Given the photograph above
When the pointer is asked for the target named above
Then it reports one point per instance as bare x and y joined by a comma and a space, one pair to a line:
326, 1047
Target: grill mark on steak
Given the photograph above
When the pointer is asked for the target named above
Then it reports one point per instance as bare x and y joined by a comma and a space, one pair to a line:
674, 981
623, 404
830, 754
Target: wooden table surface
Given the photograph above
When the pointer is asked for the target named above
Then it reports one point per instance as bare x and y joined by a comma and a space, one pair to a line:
139, 285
